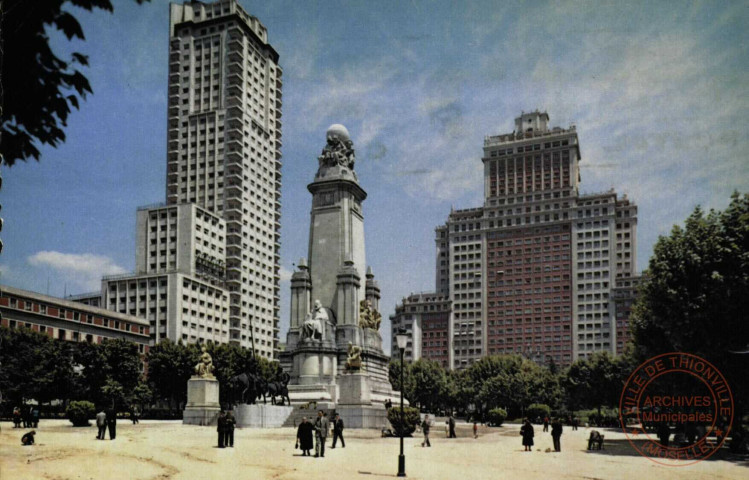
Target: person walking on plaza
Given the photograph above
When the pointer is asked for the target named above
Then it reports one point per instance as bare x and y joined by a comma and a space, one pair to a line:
475, 430
134, 414
112, 423
101, 423
556, 433
451, 425
304, 437
322, 425
527, 432
546, 424
26, 413
338, 431
229, 432
16, 417
221, 428
575, 423
35, 417
425, 426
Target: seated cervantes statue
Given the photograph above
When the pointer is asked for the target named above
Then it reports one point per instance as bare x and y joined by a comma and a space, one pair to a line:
204, 368
313, 323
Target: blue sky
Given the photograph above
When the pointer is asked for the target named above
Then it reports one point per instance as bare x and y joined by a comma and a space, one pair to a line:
658, 91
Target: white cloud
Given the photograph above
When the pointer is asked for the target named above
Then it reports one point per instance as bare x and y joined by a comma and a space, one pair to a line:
285, 274
82, 271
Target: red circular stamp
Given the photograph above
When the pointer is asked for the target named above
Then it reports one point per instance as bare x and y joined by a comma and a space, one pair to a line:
676, 409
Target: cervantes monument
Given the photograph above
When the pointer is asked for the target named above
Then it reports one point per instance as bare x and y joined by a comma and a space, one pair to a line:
333, 348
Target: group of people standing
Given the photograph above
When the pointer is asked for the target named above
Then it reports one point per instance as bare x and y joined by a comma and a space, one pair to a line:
29, 417
556, 433
225, 429
106, 419
320, 428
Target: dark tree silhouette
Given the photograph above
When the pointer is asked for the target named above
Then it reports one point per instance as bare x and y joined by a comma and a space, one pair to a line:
39, 89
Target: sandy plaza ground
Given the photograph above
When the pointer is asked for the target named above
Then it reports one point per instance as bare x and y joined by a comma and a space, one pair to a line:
169, 450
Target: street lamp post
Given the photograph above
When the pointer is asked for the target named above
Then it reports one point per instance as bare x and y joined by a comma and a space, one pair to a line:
402, 338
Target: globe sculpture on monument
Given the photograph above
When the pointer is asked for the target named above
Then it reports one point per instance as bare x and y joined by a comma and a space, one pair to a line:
202, 406
334, 348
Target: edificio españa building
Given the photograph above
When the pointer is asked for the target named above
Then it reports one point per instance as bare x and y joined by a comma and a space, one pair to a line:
207, 260
532, 271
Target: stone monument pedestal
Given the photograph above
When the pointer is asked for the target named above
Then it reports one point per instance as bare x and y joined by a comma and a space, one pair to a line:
355, 402
202, 402
262, 416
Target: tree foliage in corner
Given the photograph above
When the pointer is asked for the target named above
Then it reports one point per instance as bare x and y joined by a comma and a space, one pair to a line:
696, 294
39, 89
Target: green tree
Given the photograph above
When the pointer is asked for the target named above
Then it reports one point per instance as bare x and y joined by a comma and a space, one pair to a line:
33, 367
91, 371
43, 87
113, 393
696, 294
596, 382
406, 423
123, 363
429, 382
170, 366
394, 374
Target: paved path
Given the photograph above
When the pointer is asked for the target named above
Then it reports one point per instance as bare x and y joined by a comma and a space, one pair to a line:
159, 450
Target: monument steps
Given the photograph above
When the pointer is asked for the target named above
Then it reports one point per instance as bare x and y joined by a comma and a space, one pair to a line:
301, 411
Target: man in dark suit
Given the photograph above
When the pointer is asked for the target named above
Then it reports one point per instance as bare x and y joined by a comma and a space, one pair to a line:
229, 432
556, 433
338, 431
451, 426
112, 423
221, 429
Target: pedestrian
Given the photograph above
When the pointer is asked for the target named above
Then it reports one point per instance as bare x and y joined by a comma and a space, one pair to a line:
229, 432
322, 425
304, 437
425, 426
28, 438
475, 430
221, 428
27, 417
338, 431
112, 423
527, 432
388, 404
101, 423
556, 433
35, 417
134, 414
16, 417
575, 423
663, 432
546, 423
451, 425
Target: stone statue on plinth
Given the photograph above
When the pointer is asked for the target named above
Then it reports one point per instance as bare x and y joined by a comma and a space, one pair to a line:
204, 369
353, 362
368, 316
339, 149
202, 406
313, 323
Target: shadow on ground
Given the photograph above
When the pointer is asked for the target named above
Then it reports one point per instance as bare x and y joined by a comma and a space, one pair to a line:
623, 447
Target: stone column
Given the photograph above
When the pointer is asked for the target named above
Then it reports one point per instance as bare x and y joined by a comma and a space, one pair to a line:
347, 294
372, 290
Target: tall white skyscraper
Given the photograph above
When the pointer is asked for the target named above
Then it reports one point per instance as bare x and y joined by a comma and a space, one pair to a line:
207, 261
